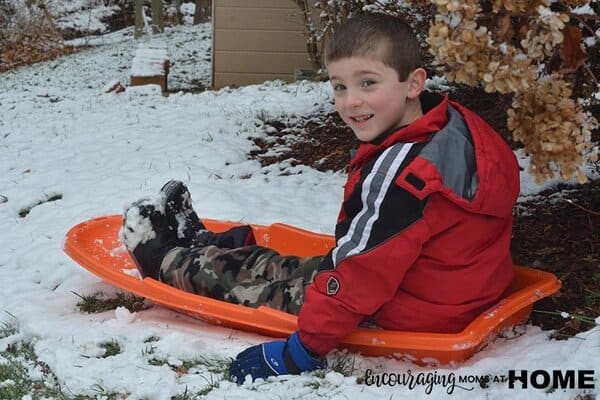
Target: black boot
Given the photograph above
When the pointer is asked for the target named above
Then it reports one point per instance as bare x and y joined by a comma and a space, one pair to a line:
188, 227
180, 213
235, 237
148, 236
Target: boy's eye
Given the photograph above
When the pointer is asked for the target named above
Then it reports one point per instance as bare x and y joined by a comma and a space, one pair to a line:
367, 82
338, 87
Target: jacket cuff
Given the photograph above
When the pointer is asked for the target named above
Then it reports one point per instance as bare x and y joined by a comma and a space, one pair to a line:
317, 346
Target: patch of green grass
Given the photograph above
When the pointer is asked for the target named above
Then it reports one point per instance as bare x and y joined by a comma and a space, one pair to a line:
584, 396
186, 395
97, 303
157, 361
315, 385
13, 375
214, 365
21, 349
343, 363
580, 318
19, 358
111, 348
16, 357
151, 339
217, 366
8, 328
592, 297
211, 386
148, 351
101, 393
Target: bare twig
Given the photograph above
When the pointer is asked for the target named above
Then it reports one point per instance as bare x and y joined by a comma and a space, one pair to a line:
588, 27
582, 208
590, 73
312, 43
593, 17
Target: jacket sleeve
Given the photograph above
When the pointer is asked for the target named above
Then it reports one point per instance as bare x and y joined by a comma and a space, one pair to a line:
376, 245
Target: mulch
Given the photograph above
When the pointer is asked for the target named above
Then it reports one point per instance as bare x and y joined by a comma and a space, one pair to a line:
558, 231
555, 230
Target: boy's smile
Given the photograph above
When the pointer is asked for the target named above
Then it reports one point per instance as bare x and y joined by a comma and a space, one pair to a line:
369, 96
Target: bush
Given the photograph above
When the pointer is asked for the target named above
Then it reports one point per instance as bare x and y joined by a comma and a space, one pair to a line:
29, 34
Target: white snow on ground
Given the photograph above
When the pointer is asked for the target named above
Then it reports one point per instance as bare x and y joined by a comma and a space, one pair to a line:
61, 135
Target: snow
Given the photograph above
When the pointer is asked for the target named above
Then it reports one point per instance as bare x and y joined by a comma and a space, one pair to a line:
150, 60
88, 20
583, 10
138, 228
61, 134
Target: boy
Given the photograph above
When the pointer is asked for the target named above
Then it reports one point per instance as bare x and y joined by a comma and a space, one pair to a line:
422, 238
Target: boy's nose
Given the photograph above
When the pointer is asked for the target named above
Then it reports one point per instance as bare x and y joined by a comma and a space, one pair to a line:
352, 100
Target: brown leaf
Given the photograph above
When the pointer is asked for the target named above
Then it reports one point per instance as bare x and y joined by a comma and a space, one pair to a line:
503, 31
523, 29
181, 370
571, 52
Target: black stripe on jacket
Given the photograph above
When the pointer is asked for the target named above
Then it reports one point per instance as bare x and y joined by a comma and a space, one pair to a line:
377, 208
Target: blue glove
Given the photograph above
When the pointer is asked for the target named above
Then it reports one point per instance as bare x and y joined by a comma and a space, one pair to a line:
273, 358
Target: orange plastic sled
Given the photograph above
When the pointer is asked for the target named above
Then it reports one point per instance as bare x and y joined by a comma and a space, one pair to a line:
95, 245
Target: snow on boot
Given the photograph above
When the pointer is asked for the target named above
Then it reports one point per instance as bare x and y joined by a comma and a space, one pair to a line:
147, 235
190, 230
180, 213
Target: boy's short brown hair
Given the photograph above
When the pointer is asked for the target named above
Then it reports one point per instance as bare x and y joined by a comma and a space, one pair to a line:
388, 38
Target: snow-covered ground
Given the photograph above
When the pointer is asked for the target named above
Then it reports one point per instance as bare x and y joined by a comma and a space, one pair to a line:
60, 134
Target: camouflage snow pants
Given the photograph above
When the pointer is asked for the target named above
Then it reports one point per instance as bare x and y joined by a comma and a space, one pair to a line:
250, 275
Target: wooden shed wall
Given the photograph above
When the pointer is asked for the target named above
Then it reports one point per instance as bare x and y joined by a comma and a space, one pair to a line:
257, 40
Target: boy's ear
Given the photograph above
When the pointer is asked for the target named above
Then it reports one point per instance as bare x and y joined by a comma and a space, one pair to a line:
416, 83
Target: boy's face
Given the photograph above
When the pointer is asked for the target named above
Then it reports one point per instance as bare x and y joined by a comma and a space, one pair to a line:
368, 96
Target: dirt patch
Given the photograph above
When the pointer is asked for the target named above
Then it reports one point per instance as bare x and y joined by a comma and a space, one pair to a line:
323, 143
557, 231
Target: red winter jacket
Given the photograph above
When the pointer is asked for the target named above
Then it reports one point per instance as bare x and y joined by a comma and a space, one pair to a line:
422, 239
